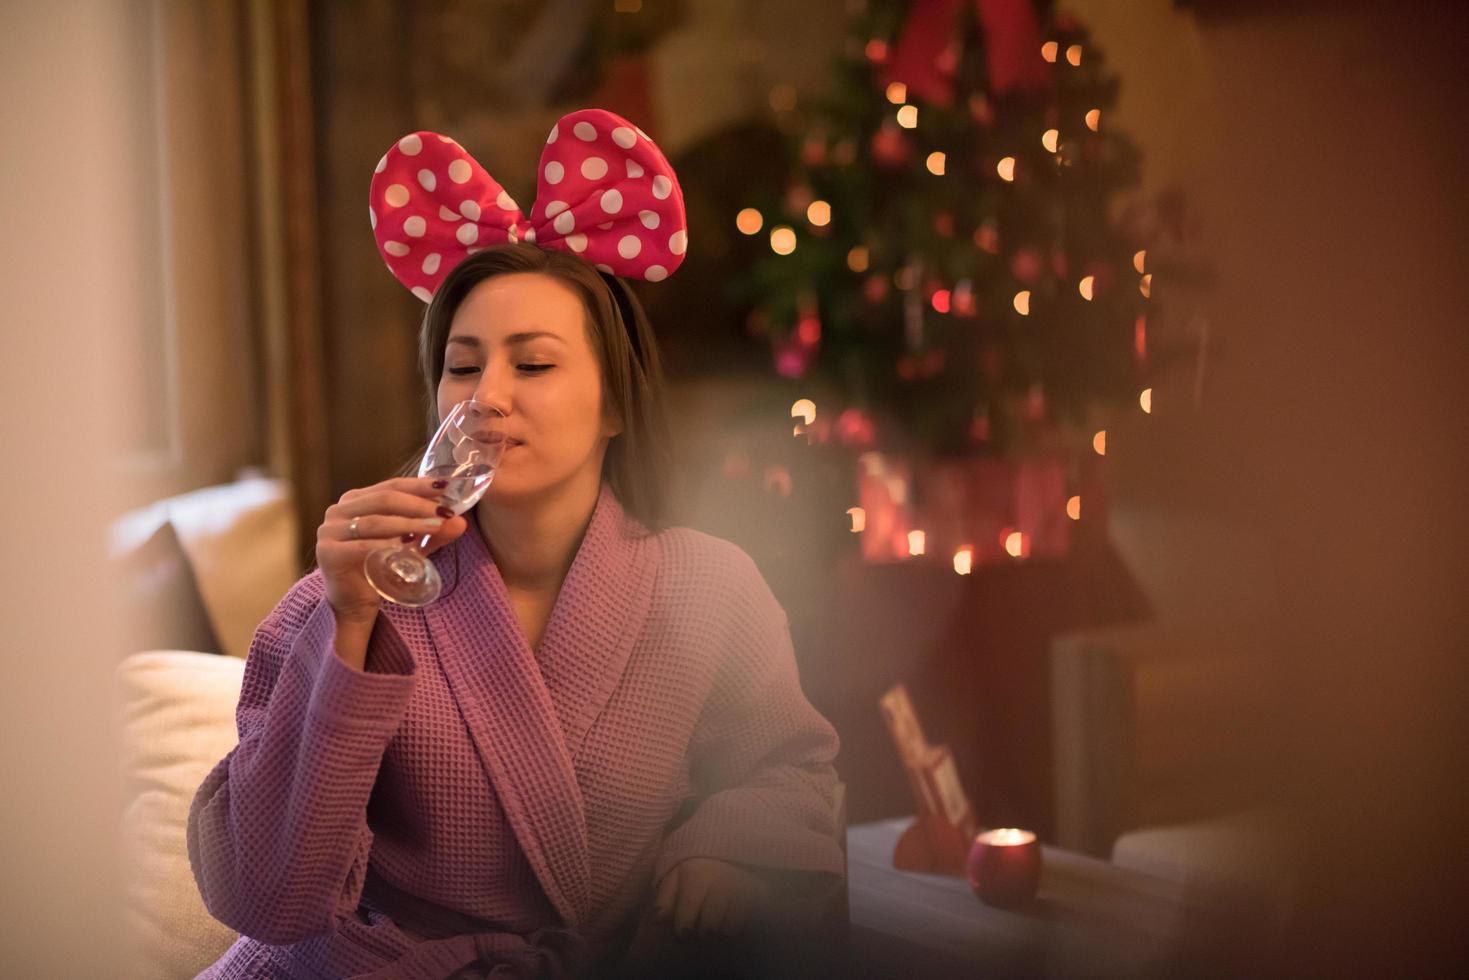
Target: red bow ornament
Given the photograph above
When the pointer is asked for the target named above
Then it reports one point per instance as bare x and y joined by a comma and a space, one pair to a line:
604, 192
924, 59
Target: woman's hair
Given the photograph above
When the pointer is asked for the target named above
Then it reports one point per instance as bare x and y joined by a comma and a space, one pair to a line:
638, 464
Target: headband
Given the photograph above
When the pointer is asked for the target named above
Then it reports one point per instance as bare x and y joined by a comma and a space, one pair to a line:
604, 192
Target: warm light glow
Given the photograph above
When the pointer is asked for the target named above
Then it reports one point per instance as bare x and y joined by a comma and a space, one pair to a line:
1073, 54
877, 50
1085, 286
1146, 400
859, 519
908, 116
897, 93
1073, 508
1006, 168
857, 259
819, 213
940, 301
1099, 442
964, 560
783, 97
1050, 138
1022, 302
1006, 837
1015, 544
1139, 259
1094, 120
915, 543
805, 409
782, 240
1048, 50
749, 221
1145, 285
936, 163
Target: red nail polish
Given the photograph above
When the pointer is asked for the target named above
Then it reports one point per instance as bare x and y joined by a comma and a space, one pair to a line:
408, 537
440, 484
445, 513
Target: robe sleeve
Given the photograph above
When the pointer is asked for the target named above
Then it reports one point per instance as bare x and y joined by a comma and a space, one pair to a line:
761, 772
277, 833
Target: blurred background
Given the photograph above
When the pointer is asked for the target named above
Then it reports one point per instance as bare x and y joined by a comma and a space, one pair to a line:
1093, 370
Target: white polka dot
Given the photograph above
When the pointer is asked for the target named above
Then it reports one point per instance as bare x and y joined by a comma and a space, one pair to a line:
633, 169
381, 165
604, 226
470, 209
423, 294
530, 235
655, 273
555, 132
604, 267
396, 196
372, 215
554, 208
411, 145
650, 219
678, 242
504, 202
395, 248
662, 186
431, 264
512, 234
414, 227
564, 223
612, 201
467, 234
624, 137
447, 139
446, 215
629, 246
427, 180
594, 168
459, 171
578, 242
554, 172
585, 131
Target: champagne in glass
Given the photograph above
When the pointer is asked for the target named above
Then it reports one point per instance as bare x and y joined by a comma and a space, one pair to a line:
465, 452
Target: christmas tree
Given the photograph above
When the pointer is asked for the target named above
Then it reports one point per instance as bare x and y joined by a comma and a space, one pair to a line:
944, 255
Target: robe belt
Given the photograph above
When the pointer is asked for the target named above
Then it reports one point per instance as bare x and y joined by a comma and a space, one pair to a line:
550, 953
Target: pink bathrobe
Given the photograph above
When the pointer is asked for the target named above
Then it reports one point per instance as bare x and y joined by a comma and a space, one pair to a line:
468, 802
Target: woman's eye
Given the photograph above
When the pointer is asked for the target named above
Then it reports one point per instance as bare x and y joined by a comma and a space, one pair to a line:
535, 368
459, 371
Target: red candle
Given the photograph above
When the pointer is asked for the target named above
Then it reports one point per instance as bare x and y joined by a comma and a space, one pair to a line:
1005, 867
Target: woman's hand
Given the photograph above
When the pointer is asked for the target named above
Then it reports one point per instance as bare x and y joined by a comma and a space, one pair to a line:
399, 509
709, 895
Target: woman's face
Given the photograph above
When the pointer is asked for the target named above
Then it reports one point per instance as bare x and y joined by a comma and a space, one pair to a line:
519, 342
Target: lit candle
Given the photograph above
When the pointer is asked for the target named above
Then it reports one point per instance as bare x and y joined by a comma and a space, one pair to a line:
1005, 867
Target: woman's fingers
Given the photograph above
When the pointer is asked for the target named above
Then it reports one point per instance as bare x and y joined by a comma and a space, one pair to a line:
667, 894
376, 527
691, 893
398, 502
713, 910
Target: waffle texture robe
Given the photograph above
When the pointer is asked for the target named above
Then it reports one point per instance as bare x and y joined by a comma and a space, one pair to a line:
469, 804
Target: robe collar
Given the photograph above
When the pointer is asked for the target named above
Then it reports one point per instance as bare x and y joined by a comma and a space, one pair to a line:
529, 714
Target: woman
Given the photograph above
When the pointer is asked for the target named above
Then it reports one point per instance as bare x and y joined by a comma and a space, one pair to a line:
600, 712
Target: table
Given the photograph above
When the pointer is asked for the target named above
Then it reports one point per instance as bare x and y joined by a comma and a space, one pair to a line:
1091, 919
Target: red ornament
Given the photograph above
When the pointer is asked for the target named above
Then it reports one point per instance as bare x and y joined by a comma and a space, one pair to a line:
855, 429
813, 152
875, 289
943, 223
808, 329
890, 147
980, 109
1026, 266
877, 51
987, 237
1060, 265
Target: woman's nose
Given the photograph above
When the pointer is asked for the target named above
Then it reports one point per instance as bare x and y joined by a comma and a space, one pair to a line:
494, 391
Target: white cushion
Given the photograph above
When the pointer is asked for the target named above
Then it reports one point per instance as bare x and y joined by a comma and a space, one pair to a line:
177, 720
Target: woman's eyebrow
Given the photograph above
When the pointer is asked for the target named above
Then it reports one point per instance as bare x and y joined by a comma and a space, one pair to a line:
515, 338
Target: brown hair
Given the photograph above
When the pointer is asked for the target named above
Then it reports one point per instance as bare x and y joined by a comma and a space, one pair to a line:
638, 464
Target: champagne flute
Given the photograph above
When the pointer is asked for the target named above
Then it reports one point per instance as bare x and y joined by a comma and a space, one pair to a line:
465, 452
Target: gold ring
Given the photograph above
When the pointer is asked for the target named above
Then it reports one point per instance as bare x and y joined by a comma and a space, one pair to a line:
352, 529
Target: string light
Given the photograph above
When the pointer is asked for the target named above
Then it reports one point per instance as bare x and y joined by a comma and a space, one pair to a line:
859, 519
1006, 168
1022, 302
1139, 259
1085, 286
897, 93
877, 50
805, 409
1099, 442
908, 116
1048, 51
941, 301
1094, 120
964, 560
1146, 400
1073, 508
1015, 544
857, 259
1145, 285
1140, 337
936, 163
1073, 55
782, 240
1050, 139
819, 213
915, 543
749, 221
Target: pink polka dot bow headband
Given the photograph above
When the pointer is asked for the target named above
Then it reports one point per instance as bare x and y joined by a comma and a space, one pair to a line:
603, 192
